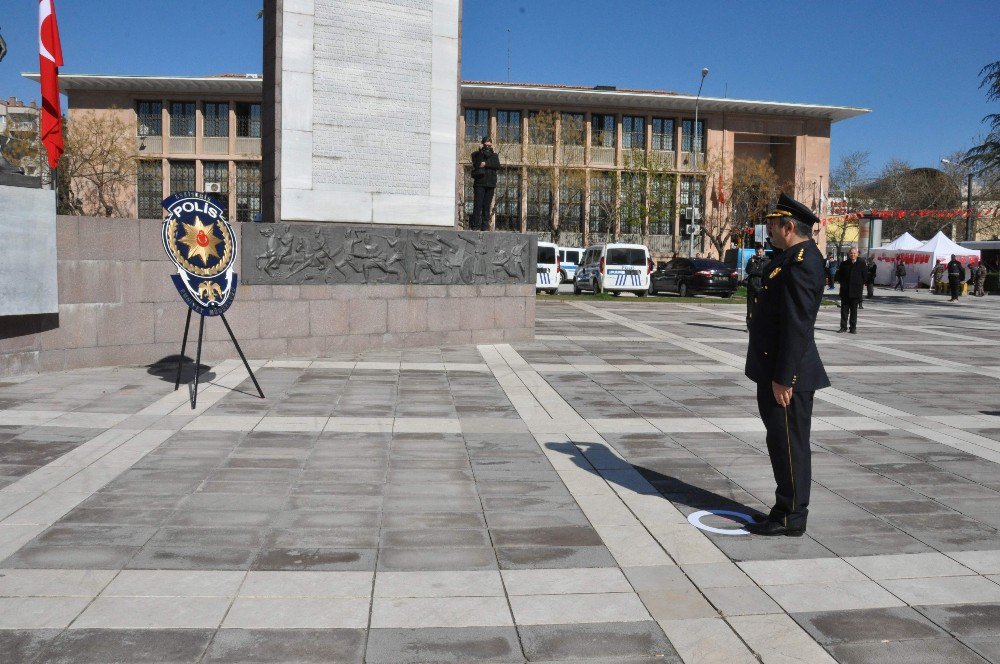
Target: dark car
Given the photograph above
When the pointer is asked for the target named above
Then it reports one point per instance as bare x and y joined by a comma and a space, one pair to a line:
694, 276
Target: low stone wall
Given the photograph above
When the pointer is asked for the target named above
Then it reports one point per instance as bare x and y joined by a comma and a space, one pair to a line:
117, 306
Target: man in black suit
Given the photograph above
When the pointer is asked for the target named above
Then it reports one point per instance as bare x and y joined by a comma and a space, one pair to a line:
783, 361
851, 276
485, 165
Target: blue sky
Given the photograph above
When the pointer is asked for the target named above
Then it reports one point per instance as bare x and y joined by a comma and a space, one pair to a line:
915, 64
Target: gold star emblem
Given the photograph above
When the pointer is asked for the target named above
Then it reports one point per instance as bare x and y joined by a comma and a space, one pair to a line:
200, 241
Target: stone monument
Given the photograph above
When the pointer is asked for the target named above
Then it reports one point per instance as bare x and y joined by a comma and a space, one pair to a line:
361, 102
28, 281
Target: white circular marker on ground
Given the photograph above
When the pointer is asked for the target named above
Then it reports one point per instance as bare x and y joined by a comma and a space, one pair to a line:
695, 520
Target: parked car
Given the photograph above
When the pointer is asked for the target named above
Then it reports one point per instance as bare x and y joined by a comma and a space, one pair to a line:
547, 277
615, 268
694, 276
569, 258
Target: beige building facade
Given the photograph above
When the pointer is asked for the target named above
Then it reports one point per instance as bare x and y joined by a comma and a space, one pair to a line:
604, 137
572, 156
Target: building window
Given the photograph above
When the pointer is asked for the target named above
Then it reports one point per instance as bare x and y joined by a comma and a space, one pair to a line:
150, 116
216, 120
663, 134
182, 122
539, 217
509, 127
248, 120
182, 176
248, 191
542, 128
633, 205
686, 190
149, 181
602, 202
508, 200
477, 124
571, 202
602, 131
633, 132
699, 142
217, 173
571, 130
661, 205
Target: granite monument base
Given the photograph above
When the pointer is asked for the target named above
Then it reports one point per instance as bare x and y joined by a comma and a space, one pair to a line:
117, 306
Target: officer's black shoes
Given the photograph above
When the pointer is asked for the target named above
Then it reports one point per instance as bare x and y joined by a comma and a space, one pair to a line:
771, 528
854, 331
843, 329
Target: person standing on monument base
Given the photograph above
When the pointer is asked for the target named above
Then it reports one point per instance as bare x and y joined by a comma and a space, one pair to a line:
485, 164
783, 361
956, 275
851, 276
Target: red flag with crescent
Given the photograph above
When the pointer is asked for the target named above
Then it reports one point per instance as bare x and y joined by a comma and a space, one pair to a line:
49, 60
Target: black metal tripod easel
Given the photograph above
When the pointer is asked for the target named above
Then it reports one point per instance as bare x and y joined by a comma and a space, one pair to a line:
197, 362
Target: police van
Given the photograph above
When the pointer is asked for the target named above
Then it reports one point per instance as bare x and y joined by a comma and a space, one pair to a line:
614, 268
569, 258
547, 278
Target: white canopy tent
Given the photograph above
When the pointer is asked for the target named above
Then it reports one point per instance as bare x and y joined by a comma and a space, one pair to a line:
885, 260
939, 248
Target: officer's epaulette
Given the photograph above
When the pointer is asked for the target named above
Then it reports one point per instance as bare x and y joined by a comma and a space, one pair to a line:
801, 256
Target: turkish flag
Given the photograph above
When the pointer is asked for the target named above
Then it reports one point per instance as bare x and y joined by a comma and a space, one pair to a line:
49, 60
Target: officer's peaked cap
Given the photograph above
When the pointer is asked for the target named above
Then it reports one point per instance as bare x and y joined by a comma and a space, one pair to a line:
789, 207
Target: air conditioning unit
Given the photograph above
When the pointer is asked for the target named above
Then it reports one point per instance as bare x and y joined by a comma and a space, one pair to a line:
213, 188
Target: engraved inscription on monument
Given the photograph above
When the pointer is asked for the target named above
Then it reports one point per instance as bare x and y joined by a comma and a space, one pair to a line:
321, 254
375, 132
366, 103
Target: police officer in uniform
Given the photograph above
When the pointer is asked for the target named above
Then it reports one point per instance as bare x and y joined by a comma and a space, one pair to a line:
754, 279
783, 360
956, 275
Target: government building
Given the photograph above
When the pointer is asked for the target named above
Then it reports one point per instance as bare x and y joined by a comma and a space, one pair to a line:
580, 164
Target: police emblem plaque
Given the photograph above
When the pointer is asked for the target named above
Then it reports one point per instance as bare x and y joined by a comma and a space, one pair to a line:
201, 244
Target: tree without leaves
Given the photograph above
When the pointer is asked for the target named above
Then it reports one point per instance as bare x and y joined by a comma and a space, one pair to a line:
98, 166
749, 191
848, 179
986, 157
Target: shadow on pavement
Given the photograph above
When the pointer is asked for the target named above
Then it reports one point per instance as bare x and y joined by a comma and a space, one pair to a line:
669, 488
166, 370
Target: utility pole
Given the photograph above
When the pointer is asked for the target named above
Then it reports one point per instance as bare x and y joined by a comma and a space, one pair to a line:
695, 148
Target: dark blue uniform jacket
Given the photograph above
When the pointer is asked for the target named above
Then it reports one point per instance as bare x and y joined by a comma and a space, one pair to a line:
782, 348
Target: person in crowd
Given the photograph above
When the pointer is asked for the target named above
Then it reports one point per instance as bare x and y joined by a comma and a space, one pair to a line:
900, 273
783, 361
870, 278
485, 165
831, 271
754, 280
956, 275
851, 276
980, 275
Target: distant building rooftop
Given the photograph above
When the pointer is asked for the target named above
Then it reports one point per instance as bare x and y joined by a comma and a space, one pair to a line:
534, 93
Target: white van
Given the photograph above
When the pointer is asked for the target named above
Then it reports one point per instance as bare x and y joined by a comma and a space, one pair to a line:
614, 268
569, 258
547, 278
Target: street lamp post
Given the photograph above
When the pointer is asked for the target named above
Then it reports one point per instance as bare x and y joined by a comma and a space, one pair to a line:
695, 149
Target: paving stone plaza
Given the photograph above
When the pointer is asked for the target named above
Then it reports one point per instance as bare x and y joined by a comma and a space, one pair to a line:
510, 503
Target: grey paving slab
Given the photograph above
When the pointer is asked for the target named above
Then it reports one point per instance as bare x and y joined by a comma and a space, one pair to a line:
966, 620
863, 625
102, 646
459, 645
596, 641
24, 645
308, 646
924, 651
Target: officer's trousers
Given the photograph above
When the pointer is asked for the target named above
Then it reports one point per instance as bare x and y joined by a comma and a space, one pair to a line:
955, 286
849, 312
482, 202
788, 446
